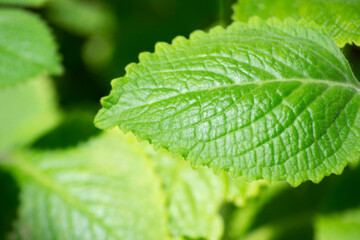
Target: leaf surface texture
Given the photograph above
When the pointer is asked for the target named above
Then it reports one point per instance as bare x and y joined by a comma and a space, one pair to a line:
265, 100
341, 18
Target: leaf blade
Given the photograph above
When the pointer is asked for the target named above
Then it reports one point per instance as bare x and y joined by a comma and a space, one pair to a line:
340, 18
187, 95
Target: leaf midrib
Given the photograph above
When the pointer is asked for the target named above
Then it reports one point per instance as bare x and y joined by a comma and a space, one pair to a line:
302, 81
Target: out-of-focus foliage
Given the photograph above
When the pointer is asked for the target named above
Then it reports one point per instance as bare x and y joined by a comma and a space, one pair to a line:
27, 48
311, 211
90, 192
28, 110
345, 226
25, 3
80, 17
89, 186
340, 218
101, 55
196, 196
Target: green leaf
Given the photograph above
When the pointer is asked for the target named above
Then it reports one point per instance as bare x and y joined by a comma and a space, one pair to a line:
345, 226
104, 189
265, 100
27, 110
341, 18
27, 48
194, 197
26, 3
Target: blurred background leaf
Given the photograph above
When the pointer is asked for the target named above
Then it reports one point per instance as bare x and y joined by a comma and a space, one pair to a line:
92, 191
25, 3
27, 48
96, 54
282, 212
28, 110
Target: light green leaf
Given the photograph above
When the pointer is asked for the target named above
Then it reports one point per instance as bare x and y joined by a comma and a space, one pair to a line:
341, 18
265, 100
27, 48
104, 189
27, 110
26, 3
344, 226
194, 197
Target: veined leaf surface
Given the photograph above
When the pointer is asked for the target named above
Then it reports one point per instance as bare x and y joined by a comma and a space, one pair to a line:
104, 189
341, 18
27, 48
265, 100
